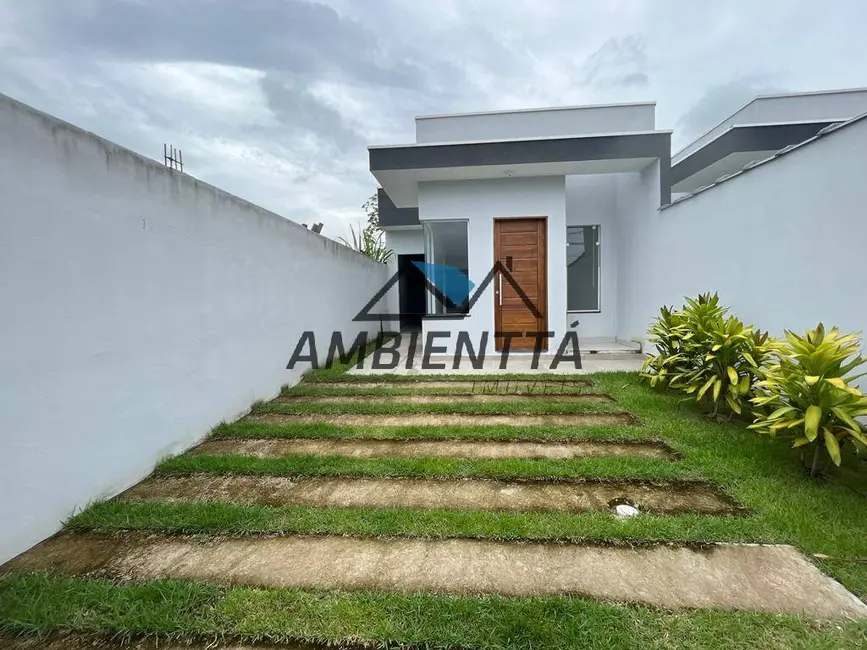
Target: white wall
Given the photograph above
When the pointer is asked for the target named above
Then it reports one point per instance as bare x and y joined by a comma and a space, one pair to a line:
408, 241
783, 243
591, 200
538, 123
834, 105
480, 202
140, 308
637, 199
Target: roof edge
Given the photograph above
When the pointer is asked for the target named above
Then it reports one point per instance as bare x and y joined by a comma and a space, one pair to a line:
617, 134
806, 93
768, 96
839, 126
541, 109
751, 125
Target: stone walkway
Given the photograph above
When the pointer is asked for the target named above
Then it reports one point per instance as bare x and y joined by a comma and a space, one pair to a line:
415, 448
775, 579
430, 493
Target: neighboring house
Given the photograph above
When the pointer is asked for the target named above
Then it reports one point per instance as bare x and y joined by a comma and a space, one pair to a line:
557, 195
762, 127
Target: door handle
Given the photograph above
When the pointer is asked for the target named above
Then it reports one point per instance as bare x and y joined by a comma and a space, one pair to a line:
500, 289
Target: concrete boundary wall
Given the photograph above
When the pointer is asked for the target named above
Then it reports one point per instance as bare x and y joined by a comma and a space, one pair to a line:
140, 307
782, 243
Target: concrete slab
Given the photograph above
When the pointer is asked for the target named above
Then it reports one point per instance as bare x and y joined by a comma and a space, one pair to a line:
658, 497
775, 579
473, 398
451, 448
447, 419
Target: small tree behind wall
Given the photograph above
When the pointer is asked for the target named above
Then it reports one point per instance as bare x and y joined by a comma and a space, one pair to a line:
370, 240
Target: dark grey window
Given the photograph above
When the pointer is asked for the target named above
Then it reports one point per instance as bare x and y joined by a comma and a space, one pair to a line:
582, 268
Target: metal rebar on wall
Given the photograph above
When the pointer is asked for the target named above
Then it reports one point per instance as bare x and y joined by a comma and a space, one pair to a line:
173, 158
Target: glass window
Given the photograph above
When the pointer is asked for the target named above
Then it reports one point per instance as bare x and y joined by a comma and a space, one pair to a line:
446, 265
582, 268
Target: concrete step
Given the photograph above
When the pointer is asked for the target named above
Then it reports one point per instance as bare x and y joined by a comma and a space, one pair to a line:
450, 448
657, 497
776, 579
447, 419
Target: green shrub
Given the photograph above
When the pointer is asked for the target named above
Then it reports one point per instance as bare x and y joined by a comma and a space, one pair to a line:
667, 333
806, 394
706, 354
727, 360
678, 335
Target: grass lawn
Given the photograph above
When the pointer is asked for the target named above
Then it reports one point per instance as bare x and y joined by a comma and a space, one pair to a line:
606, 466
762, 475
367, 404
186, 610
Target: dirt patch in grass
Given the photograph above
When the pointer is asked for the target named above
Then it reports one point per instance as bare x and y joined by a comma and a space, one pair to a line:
447, 419
658, 497
378, 448
473, 398
775, 579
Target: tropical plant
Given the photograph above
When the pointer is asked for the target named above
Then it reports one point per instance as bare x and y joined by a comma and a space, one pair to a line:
666, 332
369, 242
808, 396
706, 354
727, 356
704, 313
678, 336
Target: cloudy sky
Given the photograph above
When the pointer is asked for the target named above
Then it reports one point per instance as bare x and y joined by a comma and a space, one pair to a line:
275, 100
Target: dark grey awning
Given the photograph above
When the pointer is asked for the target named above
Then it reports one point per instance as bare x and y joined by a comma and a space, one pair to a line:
400, 168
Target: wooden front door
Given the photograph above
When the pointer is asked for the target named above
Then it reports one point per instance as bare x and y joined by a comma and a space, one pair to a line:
520, 245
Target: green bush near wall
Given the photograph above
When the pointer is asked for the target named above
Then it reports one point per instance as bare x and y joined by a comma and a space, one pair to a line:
800, 388
706, 353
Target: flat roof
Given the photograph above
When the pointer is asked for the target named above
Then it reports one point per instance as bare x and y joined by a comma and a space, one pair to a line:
399, 168
739, 138
616, 134
812, 92
833, 128
838, 91
533, 110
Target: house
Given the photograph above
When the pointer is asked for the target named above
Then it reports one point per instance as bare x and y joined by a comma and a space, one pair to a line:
558, 197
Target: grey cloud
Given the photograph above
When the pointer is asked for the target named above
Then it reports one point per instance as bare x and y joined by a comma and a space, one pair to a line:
635, 79
720, 101
620, 61
300, 111
305, 38
391, 59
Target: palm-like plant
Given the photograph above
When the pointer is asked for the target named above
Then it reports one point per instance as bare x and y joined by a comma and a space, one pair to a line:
667, 333
679, 336
706, 354
728, 357
807, 393
370, 242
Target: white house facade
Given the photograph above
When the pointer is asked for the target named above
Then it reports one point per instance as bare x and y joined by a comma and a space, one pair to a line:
553, 207
539, 191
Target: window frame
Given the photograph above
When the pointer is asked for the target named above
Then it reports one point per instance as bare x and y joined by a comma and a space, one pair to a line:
427, 237
598, 228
